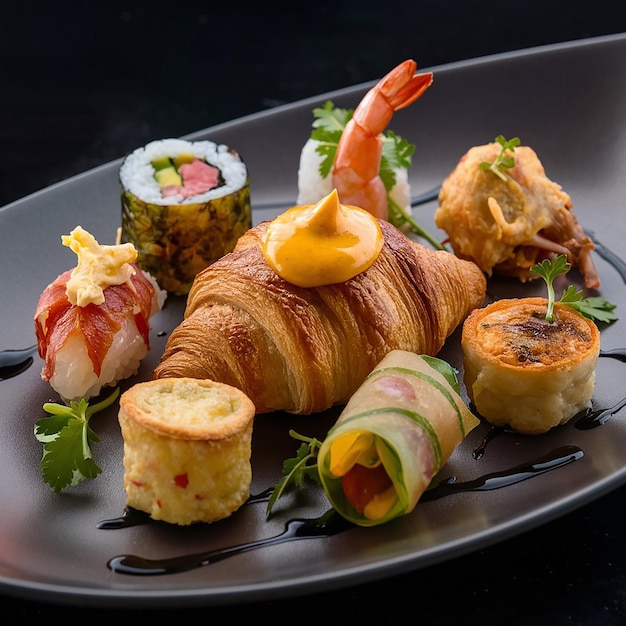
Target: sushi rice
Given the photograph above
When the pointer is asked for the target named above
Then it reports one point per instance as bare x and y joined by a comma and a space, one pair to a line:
74, 376
137, 173
312, 187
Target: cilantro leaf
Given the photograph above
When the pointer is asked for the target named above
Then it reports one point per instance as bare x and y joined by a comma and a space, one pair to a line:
549, 270
594, 308
502, 160
67, 458
397, 153
297, 469
328, 126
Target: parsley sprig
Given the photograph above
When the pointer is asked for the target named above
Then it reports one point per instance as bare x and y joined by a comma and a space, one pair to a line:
503, 159
297, 469
328, 126
594, 308
67, 458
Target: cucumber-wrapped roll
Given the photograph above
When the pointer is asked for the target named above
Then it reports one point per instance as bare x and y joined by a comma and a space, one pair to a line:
184, 205
396, 432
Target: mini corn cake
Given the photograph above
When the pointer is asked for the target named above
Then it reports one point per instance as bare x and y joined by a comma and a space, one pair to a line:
525, 372
187, 449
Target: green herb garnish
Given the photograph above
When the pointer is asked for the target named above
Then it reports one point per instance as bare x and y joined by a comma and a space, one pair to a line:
67, 458
503, 160
594, 308
328, 126
295, 470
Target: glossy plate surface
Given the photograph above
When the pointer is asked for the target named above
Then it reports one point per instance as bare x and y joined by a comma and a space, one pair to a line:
565, 101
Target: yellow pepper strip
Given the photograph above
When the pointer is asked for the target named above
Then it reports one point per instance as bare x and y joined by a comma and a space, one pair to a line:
381, 504
354, 447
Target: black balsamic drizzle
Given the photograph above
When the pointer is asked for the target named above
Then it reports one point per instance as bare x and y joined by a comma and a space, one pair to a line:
14, 362
618, 353
496, 480
130, 517
494, 431
592, 418
329, 524
425, 197
134, 517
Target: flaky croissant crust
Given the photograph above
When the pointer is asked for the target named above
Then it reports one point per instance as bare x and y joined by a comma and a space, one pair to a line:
304, 350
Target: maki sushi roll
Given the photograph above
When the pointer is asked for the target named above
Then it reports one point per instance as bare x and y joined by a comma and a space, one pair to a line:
92, 322
184, 205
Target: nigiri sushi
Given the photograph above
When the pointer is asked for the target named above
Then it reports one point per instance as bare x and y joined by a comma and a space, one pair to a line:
366, 165
92, 322
312, 185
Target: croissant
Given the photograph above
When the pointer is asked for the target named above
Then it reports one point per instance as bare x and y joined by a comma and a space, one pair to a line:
304, 350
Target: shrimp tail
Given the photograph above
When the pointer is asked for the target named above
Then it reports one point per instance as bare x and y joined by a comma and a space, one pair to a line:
357, 160
414, 86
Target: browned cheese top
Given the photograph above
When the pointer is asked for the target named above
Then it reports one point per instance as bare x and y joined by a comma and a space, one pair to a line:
514, 332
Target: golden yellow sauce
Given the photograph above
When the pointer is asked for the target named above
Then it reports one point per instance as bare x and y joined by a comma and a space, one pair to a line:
323, 243
98, 267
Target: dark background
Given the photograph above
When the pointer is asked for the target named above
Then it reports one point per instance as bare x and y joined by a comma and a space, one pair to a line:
84, 83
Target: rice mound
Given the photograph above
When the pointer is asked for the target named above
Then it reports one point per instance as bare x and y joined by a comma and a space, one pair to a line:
312, 186
74, 376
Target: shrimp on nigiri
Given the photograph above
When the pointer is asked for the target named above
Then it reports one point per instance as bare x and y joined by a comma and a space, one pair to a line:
355, 141
355, 172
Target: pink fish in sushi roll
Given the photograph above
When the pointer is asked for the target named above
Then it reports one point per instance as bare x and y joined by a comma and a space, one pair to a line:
92, 322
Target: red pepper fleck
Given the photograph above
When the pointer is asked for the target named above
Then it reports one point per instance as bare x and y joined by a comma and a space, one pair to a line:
137, 483
181, 480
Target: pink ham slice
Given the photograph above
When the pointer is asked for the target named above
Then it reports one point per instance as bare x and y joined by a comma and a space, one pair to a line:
198, 177
56, 319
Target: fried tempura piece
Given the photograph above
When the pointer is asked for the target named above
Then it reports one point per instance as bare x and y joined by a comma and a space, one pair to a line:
508, 224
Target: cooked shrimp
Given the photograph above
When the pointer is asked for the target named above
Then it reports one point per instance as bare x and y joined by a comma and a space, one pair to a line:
357, 162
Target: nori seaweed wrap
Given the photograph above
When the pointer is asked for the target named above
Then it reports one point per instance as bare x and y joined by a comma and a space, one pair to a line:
184, 205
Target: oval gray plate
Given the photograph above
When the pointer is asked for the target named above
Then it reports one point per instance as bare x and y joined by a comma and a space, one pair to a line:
50, 546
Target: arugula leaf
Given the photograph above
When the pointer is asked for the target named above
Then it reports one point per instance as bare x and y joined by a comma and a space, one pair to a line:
328, 126
502, 159
67, 458
594, 308
297, 469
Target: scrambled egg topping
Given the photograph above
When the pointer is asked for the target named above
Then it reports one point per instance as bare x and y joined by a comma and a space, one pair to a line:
98, 267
